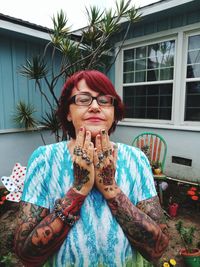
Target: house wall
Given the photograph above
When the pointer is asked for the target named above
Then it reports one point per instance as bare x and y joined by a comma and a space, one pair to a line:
17, 148
179, 143
16, 145
182, 137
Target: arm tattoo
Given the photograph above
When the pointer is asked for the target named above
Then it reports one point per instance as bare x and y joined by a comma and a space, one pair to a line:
141, 230
80, 175
153, 209
40, 233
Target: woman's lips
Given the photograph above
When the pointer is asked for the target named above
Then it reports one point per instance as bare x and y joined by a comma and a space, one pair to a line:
94, 119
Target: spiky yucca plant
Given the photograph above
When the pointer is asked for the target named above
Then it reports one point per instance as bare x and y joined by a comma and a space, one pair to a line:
92, 49
24, 115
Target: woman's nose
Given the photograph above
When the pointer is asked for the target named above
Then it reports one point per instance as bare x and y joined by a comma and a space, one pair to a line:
94, 105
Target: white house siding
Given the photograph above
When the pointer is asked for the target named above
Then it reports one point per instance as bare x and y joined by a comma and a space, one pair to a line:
184, 144
158, 24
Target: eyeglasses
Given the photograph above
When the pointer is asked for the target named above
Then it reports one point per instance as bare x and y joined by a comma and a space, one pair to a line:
86, 100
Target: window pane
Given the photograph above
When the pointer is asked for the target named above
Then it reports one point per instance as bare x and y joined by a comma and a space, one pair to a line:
128, 77
193, 71
140, 76
141, 52
194, 57
166, 74
128, 54
194, 42
148, 101
140, 64
151, 63
152, 75
192, 104
128, 66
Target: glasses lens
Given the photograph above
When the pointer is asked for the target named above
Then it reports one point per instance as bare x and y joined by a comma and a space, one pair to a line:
105, 100
82, 100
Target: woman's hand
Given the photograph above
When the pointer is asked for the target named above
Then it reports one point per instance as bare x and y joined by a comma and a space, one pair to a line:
105, 162
83, 162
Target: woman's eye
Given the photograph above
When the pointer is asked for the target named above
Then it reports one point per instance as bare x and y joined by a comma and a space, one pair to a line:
83, 99
103, 100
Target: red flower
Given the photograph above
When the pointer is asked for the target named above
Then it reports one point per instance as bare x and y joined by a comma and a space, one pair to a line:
3, 198
193, 188
190, 193
194, 198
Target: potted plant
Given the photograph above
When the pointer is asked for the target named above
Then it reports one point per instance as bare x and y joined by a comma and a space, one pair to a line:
156, 167
190, 253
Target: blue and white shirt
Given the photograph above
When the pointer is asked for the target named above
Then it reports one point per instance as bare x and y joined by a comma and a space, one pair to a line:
96, 239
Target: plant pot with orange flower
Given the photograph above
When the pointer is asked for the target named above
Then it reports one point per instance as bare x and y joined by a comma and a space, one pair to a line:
190, 253
156, 167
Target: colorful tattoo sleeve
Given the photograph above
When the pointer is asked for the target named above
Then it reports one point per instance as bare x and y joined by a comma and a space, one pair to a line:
40, 233
141, 228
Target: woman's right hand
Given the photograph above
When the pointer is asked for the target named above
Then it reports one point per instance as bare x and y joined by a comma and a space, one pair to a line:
83, 162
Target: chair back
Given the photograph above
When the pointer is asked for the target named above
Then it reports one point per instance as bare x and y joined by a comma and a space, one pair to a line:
153, 145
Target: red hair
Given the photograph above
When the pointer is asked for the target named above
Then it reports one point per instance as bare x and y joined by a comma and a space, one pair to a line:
96, 81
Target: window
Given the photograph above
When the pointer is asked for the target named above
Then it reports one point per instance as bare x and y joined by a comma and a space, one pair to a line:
192, 102
148, 81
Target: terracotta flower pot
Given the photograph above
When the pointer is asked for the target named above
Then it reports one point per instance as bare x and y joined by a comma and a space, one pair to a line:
191, 259
157, 171
173, 208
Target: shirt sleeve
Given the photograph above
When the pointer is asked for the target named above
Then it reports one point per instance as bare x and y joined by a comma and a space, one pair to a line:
35, 188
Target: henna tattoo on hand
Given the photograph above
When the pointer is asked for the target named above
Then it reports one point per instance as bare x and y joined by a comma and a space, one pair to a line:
81, 176
107, 175
143, 232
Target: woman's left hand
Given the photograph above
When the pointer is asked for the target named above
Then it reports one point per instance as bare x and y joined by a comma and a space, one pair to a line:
105, 165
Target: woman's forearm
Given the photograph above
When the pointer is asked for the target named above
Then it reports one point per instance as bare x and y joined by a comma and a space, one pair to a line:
143, 233
40, 234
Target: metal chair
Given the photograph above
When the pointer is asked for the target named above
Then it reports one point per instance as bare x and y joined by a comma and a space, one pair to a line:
155, 148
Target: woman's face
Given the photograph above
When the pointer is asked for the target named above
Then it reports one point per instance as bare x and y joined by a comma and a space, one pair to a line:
93, 117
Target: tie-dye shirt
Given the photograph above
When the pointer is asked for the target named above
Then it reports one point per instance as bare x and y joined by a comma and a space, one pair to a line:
96, 239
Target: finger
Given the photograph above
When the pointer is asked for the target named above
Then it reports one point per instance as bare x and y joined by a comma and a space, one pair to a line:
104, 140
80, 137
96, 159
90, 151
115, 152
98, 143
87, 140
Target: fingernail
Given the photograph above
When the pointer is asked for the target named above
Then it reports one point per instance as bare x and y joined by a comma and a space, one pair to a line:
87, 133
115, 146
103, 131
81, 129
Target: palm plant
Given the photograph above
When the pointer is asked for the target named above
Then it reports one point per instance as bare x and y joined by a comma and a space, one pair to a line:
24, 117
91, 49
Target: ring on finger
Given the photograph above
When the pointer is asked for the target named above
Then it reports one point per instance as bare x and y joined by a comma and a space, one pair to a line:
88, 161
78, 151
98, 165
100, 156
84, 155
107, 153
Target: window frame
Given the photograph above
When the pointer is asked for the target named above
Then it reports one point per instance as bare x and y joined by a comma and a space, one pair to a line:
180, 35
185, 80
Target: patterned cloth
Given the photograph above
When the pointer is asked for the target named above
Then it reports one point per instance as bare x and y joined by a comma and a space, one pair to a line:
96, 239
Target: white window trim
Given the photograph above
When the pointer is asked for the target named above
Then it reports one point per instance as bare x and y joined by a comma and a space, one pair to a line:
180, 35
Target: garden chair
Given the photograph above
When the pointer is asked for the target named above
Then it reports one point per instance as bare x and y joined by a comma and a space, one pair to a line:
155, 148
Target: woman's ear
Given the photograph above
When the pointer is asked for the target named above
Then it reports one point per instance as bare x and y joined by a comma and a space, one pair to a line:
69, 118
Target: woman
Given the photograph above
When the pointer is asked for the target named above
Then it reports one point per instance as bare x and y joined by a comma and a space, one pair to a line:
88, 201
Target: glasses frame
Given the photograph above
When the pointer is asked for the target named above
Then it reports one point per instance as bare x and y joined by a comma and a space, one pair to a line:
73, 100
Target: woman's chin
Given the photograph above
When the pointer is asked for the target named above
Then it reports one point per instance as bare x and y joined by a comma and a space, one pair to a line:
94, 130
